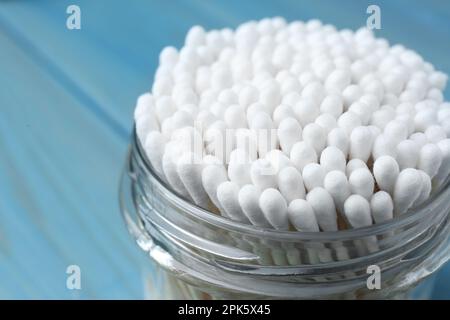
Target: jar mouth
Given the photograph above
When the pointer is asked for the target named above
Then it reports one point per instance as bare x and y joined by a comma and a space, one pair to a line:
189, 208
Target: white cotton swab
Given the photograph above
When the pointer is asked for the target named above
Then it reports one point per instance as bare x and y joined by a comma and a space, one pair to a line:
289, 132
249, 196
407, 154
382, 207
228, 196
315, 136
361, 140
313, 175
357, 211
332, 158
444, 169
361, 182
338, 138
386, 170
263, 174
354, 164
278, 160
154, 149
302, 217
323, 206
169, 164
425, 189
290, 183
212, 176
274, 208
338, 187
189, 168
406, 190
302, 153
239, 167
430, 159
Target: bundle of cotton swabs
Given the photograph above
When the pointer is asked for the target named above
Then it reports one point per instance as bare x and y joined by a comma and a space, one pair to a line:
297, 126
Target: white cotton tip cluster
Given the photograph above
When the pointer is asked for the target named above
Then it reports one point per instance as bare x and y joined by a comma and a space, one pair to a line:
296, 126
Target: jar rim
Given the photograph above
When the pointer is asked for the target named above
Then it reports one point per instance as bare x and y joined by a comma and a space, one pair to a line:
196, 211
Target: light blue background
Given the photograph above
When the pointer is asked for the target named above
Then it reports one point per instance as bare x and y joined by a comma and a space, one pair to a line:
66, 104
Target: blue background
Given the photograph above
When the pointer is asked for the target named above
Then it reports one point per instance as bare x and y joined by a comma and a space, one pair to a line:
66, 105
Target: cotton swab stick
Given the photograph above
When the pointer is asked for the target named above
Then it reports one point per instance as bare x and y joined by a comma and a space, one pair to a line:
263, 174
189, 168
407, 154
239, 167
338, 138
444, 170
212, 176
337, 185
354, 164
302, 217
332, 158
382, 207
425, 189
289, 131
290, 183
361, 182
154, 149
430, 159
386, 170
361, 140
302, 153
228, 196
248, 197
274, 208
323, 206
357, 211
407, 188
313, 176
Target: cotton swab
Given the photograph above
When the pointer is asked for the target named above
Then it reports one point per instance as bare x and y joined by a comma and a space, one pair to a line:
386, 171
212, 176
361, 182
407, 188
338, 138
361, 141
382, 207
274, 208
263, 174
407, 154
357, 211
323, 206
189, 169
154, 149
228, 196
302, 217
313, 176
290, 183
302, 153
332, 158
289, 132
239, 167
315, 136
249, 196
354, 164
444, 169
425, 190
338, 187
430, 159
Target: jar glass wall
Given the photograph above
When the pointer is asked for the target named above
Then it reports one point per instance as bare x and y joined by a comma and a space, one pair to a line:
201, 255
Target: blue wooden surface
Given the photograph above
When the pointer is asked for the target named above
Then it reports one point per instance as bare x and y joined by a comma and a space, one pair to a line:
66, 101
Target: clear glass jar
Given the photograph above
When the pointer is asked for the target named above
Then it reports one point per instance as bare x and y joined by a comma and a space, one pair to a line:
197, 254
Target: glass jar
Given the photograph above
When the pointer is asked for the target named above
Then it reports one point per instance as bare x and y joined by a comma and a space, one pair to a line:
197, 254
